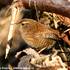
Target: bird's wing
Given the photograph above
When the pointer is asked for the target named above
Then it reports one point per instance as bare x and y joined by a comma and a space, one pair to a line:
46, 35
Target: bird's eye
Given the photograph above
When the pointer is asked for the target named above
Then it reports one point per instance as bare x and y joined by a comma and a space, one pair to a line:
22, 24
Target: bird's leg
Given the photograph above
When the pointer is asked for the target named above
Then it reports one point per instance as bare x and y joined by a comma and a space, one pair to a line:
42, 50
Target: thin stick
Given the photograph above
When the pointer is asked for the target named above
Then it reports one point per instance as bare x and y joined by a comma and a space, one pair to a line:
15, 15
14, 10
37, 12
65, 58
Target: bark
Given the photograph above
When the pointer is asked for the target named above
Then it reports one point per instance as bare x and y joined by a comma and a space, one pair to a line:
57, 6
5, 2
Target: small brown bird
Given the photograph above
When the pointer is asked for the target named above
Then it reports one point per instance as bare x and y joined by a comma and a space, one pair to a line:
37, 35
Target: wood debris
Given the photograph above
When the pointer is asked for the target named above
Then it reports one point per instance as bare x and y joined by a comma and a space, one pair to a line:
31, 38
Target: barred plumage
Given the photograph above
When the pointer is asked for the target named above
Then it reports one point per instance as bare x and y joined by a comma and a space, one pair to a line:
37, 35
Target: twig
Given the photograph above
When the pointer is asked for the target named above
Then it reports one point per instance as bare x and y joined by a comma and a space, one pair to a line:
63, 54
11, 29
15, 15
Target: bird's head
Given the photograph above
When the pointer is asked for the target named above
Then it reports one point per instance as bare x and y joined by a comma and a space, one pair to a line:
28, 26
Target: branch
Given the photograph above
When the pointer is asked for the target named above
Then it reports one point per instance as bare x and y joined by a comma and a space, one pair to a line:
15, 16
57, 6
